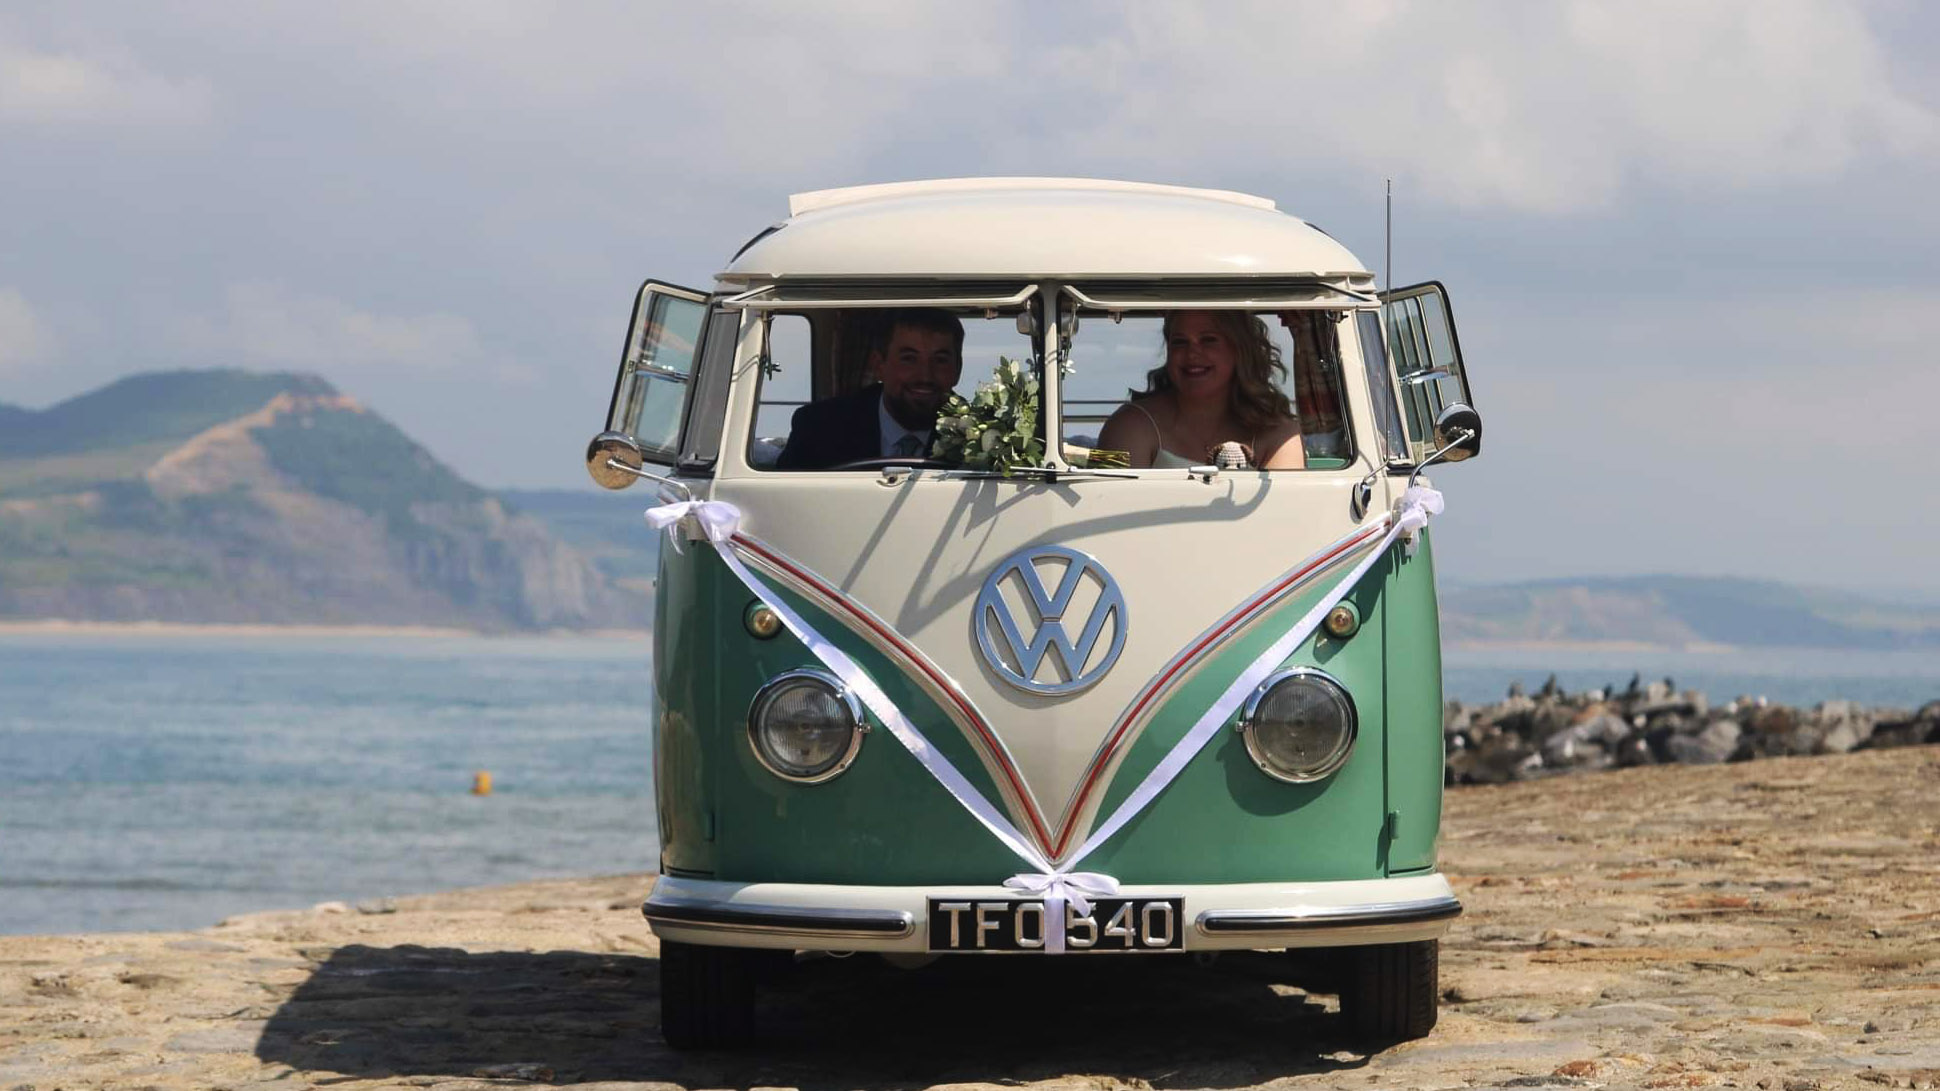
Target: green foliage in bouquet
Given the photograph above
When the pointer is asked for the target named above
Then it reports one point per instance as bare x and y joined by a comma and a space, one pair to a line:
996, 429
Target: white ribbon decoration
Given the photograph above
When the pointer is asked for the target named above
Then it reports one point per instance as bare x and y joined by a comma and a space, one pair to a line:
1058, 887
718, 522
1417, 504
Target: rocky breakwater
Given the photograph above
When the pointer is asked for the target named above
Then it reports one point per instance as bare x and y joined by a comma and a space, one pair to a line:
1523, 736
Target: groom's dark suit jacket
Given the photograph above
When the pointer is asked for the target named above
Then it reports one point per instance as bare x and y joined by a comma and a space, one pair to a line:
835, 430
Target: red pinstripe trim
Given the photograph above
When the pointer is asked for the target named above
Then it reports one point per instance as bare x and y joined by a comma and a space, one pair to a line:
1160, 684
889, 636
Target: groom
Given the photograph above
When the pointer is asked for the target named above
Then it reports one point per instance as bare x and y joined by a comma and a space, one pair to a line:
916, 364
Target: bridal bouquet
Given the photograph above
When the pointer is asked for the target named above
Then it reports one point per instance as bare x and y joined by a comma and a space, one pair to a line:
996, 429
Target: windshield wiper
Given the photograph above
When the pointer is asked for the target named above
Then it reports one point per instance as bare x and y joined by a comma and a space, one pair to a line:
1047, 473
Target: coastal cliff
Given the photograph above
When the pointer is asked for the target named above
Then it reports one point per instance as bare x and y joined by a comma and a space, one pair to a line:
236, 497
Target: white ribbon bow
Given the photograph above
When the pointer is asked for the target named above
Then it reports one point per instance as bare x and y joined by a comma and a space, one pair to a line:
718, 519
1417, 504
1057, 888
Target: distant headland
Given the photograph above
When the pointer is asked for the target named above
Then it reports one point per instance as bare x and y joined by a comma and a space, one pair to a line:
242, 498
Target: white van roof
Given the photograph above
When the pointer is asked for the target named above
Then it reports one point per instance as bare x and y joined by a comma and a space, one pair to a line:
1031, 227
799, 203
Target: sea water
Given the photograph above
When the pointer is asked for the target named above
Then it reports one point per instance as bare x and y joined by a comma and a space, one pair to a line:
167, 781
1904, 679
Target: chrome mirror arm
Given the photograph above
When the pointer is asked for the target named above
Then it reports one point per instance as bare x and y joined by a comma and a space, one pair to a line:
1462, 436
664, 482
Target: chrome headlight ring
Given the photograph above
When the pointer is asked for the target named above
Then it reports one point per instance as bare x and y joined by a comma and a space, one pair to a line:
760, 727
1277, 756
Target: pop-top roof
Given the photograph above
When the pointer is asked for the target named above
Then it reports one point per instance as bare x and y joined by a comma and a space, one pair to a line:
1028, 227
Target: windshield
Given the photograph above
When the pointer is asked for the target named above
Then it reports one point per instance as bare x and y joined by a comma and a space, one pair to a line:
1149, 380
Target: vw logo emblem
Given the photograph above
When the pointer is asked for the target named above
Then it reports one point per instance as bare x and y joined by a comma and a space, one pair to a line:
1079, 581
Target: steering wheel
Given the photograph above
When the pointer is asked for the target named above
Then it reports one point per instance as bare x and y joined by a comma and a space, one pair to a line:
910, 461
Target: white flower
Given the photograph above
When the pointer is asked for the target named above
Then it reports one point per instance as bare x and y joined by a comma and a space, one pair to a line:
995, 427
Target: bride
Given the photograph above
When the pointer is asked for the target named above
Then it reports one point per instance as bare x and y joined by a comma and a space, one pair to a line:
1217, 386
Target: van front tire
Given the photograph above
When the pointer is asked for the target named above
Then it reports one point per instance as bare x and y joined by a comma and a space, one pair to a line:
706, 995
1391, 992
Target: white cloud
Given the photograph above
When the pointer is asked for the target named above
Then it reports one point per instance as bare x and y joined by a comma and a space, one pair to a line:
1552, 108
1548, 107
108, 87
24, 338
677, 92
268, 325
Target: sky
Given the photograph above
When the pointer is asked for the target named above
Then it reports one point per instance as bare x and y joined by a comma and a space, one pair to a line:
1693, 249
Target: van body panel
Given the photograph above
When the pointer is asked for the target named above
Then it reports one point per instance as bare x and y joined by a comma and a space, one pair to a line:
885, 819
916, 554
1222, 820
1416, 760
686, 633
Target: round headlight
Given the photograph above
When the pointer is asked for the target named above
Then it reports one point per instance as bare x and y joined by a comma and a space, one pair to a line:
805, 726
1299, 726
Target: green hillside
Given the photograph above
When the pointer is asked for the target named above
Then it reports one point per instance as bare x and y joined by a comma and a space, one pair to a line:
229, 496
362, 460
144, 409
116, 433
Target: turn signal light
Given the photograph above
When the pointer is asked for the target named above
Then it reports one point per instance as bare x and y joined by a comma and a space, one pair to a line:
1342, 622
762, 622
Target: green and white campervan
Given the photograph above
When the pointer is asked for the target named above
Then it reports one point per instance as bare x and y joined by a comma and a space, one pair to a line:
1052, 705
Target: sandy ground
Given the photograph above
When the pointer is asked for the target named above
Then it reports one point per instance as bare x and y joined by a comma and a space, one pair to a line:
1772, 925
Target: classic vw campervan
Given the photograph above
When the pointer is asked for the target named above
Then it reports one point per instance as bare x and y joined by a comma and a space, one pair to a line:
977, 680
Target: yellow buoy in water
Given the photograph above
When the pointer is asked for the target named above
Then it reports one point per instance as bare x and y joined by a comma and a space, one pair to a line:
481, 783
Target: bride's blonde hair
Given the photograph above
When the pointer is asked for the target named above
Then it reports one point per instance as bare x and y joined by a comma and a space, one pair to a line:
1256, 398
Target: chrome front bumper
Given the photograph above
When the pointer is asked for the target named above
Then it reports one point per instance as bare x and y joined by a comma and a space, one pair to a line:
1222, 916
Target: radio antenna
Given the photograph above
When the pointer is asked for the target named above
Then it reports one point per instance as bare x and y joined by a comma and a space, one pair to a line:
1388, 275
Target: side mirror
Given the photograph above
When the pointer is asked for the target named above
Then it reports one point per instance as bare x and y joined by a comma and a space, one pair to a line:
614, 460
1458, 432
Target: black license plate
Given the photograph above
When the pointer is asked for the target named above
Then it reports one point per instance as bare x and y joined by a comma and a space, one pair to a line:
1114, 924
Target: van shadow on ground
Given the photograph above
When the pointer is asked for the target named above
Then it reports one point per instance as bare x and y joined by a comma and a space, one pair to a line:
571, 1017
